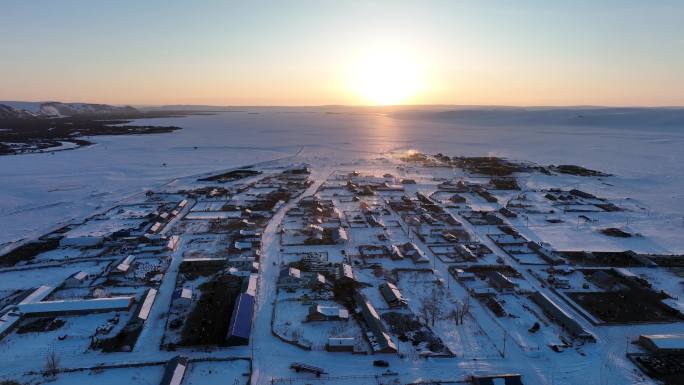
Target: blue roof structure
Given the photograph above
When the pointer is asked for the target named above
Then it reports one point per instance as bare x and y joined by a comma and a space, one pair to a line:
505, 379
241, 319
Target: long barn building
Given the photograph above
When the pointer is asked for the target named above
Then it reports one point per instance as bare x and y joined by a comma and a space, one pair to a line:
561, 316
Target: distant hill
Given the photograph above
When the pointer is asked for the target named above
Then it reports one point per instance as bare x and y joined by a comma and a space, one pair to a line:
8, 112
23, 110
626, 117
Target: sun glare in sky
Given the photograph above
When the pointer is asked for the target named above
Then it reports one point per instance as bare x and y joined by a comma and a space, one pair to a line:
386, 78
364, 52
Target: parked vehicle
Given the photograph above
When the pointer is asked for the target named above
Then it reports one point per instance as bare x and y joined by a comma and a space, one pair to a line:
534, 328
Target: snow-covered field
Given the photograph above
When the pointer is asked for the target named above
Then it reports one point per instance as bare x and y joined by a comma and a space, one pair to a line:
144, 375
40, 190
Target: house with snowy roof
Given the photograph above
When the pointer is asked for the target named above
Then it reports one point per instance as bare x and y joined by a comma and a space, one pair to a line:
327, 313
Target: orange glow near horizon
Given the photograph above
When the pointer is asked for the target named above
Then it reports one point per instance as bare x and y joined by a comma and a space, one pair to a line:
356, 53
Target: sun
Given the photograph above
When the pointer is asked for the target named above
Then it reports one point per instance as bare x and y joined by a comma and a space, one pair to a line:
386, 78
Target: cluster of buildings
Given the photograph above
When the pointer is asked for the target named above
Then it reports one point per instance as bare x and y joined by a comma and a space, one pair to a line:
319, 222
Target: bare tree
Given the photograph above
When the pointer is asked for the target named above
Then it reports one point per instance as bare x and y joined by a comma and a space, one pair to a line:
52, 364
297, 334
462, 309
466, 307
425, 311
430, 308
434, 304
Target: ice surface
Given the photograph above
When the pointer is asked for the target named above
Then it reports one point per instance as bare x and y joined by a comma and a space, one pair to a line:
41, 190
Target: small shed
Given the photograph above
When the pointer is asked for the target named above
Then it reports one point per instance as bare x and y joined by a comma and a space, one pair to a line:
390, 292
77, 279
339, 235
173, 242
340, 344
346, 273
327, 313
290, 277
174, 371
156, 227
409, 249
125, 265
182, 296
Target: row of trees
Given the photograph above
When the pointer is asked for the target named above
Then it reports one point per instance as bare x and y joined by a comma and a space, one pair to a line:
432, 309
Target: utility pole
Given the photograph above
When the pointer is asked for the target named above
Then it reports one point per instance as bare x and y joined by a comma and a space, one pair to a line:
503, 353
626, 345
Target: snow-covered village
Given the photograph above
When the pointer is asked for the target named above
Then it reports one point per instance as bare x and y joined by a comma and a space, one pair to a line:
405, 268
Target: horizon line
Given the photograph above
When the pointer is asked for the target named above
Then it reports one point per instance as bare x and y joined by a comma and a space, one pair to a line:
439, 105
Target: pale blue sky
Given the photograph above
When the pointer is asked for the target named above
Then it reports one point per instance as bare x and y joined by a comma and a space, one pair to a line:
308, 52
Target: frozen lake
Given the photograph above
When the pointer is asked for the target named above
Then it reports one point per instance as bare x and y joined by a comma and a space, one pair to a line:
41, 190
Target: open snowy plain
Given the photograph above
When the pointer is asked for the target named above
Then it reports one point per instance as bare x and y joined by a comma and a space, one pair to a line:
42, 190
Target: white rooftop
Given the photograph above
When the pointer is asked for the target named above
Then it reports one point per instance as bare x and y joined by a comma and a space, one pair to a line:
147, 304
333, 311
7, 321
81, 275
667, 341
186, 293
77, 305
38, 295
178, 374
